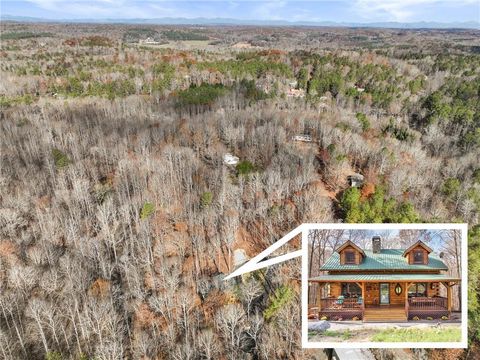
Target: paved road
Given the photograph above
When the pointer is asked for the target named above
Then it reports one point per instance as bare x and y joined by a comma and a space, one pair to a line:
352, 354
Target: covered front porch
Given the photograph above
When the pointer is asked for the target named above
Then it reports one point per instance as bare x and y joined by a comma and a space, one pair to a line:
380, 297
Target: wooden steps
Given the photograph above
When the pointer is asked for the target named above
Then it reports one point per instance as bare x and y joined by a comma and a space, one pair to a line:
387, 314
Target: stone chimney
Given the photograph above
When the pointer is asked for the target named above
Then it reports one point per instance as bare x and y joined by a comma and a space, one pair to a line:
376, 244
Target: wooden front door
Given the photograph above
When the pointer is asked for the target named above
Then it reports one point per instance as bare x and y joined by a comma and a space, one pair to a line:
384, 293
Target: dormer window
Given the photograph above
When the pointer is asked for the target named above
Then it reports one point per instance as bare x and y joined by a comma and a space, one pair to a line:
418, 257
350, 254
418, 253
349, 257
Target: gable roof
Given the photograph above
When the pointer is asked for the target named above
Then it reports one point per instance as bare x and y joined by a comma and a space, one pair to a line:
349, 243
418, 243
387, 259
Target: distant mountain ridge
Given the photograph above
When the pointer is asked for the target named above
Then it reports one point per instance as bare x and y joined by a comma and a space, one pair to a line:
230, 21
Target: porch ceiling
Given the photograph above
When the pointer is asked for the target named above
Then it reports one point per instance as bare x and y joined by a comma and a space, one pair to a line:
384, 278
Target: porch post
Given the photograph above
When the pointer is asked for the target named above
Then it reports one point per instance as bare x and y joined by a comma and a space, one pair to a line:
449, 297
363, 298
406, 285
319, 296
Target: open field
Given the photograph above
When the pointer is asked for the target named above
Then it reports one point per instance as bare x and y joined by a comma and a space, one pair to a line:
184, 45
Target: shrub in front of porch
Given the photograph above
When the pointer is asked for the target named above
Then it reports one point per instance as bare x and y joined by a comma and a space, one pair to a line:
340, 317
415, 316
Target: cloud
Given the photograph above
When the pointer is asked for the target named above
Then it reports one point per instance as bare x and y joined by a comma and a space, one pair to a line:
105, 8
268, 10
294, 10
399, 10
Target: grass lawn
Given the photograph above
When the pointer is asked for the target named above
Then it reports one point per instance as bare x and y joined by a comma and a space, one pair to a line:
419, 335
345, 335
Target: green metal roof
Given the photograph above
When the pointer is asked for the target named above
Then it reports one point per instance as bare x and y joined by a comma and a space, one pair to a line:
387, 259
384, 277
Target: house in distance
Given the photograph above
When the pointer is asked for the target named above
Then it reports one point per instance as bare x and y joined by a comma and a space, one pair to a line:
383, 285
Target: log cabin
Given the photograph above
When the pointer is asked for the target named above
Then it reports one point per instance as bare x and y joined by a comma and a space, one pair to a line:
382, 285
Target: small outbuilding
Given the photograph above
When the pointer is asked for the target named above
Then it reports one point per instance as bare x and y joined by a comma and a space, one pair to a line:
230, 159
355, 180
359, 87
303, 138
296, 93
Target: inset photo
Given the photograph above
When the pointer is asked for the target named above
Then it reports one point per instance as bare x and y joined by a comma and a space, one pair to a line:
386, 286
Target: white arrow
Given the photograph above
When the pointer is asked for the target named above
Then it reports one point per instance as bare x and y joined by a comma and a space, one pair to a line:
257, 263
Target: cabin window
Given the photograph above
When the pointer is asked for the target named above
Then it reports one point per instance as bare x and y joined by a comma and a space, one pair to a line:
327, 290
351, 290
418, 289
418, 257
349, 257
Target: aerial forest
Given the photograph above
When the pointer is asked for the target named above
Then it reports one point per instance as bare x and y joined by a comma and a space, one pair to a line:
119, 217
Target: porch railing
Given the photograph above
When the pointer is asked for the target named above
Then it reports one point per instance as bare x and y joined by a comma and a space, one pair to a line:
426, 303
341, 304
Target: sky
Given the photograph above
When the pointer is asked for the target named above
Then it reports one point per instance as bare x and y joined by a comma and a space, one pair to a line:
433, 237
354, 11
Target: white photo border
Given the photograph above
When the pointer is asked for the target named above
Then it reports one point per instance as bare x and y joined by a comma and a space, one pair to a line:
365, 345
